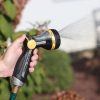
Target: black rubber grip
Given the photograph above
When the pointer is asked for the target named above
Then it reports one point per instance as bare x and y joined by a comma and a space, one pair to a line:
22, 66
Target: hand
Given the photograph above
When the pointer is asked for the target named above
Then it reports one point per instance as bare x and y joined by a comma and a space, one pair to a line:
11, 56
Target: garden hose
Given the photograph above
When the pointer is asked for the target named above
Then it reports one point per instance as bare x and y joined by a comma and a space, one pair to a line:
12, 96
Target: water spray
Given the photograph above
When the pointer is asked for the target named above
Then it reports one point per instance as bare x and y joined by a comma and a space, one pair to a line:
83, 34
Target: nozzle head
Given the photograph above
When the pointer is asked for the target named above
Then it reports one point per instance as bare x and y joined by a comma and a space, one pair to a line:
56, 36
49, 40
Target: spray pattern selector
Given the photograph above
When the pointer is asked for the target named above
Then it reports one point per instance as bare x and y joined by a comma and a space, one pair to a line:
31, 44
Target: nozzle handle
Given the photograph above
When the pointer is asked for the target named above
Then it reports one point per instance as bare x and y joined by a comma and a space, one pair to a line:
22, 66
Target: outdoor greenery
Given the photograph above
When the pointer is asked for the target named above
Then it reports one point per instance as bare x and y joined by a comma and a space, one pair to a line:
53, 72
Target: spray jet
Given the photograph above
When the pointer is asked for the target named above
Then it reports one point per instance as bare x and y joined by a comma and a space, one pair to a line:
82, 35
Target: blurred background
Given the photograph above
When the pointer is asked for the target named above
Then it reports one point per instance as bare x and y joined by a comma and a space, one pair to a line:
70, 73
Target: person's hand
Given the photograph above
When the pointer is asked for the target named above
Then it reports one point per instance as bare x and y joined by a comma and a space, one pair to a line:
9, 59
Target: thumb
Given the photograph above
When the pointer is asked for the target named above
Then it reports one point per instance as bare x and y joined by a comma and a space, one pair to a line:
20, 40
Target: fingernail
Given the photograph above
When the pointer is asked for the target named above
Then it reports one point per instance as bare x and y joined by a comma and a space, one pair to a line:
31, 70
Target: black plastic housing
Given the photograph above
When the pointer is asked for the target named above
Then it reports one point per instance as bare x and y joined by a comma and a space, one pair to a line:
48, 38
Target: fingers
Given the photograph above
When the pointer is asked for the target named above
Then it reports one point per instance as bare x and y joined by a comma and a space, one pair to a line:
35, 51
32, 64
35, 56
34, 59
31, 70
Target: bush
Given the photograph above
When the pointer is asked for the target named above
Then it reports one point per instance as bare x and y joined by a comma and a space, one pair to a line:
57, 66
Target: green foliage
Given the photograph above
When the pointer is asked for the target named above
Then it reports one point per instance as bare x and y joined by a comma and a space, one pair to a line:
58, 70
5, 27
7, 16
4, 90
33, 31
10, 9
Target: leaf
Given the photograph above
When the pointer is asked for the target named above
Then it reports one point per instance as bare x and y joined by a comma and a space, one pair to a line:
3, 44
17, 35
5, 27
10, 8
33, 31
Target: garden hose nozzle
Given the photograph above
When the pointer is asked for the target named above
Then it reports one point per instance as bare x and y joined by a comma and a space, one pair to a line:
49, 40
